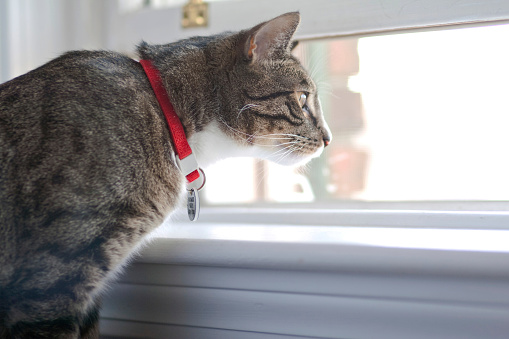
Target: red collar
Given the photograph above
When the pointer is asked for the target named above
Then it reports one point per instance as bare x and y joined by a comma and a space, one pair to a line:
186, 160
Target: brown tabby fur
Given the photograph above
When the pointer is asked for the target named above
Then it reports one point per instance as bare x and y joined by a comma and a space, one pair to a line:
86, 168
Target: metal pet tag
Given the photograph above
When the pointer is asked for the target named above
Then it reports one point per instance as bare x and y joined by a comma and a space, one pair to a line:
193, 204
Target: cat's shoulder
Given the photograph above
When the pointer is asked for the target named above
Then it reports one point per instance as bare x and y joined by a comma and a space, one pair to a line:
78, 67
103, 61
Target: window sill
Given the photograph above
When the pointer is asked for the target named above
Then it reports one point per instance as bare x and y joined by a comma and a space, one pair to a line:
231, 280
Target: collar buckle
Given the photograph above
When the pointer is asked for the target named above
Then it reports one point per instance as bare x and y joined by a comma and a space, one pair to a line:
189, 167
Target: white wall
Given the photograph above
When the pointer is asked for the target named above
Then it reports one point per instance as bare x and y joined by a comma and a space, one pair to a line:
33, 32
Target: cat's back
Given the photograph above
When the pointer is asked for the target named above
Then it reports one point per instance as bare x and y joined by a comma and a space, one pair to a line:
68, 108
80, 140
66, 90
78, 77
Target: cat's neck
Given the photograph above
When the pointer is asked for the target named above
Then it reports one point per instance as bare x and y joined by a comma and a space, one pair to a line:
211, 144
184, 73
187, 76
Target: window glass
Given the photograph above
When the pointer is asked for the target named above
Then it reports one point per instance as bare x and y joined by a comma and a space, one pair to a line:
415, 116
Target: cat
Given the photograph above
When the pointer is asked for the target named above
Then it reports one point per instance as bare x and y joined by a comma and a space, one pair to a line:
87, 167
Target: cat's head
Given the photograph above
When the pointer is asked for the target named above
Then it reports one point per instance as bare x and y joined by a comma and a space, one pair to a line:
269, 104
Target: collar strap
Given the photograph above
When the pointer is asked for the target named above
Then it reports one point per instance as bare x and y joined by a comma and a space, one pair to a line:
186, 160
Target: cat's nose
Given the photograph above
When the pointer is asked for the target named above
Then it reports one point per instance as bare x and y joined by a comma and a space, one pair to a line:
326, 135
326, 141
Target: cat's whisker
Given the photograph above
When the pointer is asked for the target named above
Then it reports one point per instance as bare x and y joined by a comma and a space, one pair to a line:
334, 95
266, 136
247, 106
283, 150
287, 153
249, 138
287, 150
312, 66
324, 86
289, 147
294, 150
287, 143
326, 89
314, 62
273, 136
283, 134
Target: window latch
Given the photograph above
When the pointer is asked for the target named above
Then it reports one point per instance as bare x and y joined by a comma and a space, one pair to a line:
195, 14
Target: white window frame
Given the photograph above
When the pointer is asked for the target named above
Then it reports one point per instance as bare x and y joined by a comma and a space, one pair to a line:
320, 18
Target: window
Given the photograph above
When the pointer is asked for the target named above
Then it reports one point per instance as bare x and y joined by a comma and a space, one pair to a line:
415, 116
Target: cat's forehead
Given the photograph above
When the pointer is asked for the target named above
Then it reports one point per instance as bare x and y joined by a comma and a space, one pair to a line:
280, 75
302, 77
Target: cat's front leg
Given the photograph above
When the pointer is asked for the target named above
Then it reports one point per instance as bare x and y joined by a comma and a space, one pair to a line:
89, 323
62, 328
84, 326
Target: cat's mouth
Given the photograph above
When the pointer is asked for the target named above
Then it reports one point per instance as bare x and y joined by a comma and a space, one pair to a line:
299, 157
293, 150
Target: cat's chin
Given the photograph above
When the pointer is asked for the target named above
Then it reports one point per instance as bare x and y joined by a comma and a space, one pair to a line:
291, 160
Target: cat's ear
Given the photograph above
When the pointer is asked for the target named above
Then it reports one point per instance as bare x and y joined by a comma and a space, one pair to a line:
271, 39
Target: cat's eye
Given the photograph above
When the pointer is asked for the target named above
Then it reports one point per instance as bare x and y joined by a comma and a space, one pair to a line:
303, 97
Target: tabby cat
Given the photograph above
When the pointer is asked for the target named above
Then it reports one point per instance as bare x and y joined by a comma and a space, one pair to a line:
87, 167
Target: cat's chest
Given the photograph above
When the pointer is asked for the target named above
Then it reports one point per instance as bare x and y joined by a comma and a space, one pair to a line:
211, 145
